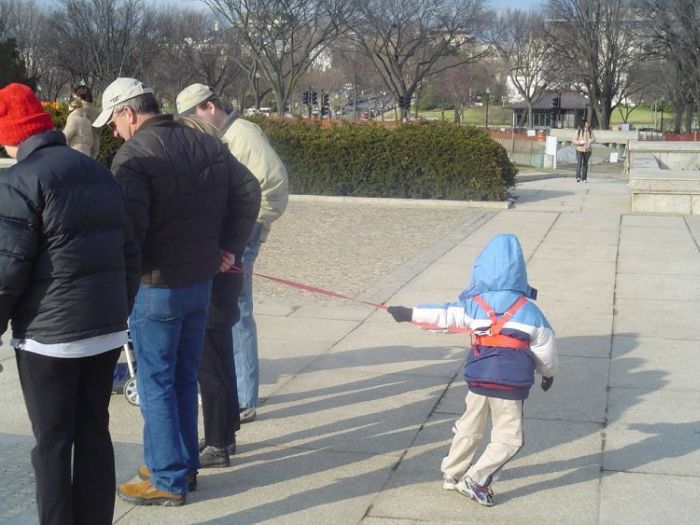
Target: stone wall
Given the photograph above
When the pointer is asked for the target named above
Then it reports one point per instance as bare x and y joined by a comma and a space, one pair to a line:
664, 177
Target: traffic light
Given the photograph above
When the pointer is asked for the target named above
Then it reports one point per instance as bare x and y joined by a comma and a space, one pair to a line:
556, 103
404, 102
314, 98
324, 102
305, 98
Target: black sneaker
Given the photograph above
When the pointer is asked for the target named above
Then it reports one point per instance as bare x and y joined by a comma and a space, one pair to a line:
214, 457
231, 446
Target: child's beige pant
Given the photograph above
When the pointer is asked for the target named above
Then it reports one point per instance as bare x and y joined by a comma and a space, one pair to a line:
506, 438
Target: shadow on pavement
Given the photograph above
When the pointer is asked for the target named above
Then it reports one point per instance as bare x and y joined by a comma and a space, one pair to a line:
392, 434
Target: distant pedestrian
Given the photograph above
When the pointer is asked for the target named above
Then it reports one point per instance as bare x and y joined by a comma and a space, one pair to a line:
250, 146
83, 94
583, 142
190, 216
511, 340
69, 267
217, 372
78, 129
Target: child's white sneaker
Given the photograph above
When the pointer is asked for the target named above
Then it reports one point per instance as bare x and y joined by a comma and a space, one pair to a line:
471, 489
448, 483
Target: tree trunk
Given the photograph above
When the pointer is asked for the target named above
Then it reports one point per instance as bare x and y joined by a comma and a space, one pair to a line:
281, 103
530, 116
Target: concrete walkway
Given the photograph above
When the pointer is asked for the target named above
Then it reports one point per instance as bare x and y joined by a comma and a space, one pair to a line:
357, 410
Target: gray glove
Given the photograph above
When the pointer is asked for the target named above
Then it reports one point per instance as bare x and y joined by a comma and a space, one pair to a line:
401, 314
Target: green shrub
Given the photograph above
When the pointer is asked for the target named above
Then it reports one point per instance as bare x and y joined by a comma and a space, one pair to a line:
426, 160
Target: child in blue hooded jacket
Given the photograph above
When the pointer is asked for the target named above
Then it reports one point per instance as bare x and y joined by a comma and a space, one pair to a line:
511, 341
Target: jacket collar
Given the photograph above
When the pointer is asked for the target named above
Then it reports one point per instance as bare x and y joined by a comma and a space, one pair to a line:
158, 120
38, 141
232, 117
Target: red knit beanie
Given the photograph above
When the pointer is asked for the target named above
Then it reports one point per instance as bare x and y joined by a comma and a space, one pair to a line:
21, 115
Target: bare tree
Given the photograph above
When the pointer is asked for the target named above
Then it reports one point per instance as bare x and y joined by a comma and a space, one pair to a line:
674, 36
99, 40
359, 72
520, 40
193, 48
406, 39
283, 36
597, 43
27, 22
459, 85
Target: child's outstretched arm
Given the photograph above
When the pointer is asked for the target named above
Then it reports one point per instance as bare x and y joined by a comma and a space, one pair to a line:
450, 315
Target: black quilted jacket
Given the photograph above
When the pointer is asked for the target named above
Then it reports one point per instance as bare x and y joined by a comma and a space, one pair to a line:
187, 198
69, 262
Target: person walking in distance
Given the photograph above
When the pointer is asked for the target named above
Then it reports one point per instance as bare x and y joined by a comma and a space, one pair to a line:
583, 142
511, 340
69, 271
192, 207
250, 146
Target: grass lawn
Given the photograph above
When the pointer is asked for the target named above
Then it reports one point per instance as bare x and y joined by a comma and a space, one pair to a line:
503, 116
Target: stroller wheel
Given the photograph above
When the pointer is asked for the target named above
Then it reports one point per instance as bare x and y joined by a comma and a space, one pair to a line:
130, 392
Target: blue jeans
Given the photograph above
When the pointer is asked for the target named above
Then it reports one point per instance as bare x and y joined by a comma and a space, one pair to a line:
167, 329
245, 332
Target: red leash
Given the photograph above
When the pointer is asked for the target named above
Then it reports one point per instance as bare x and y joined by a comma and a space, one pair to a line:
329, 293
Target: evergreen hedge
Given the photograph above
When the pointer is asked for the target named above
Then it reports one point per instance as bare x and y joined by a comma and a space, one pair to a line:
424, 160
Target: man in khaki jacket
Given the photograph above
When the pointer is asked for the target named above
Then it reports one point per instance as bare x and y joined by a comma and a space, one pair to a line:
250, 146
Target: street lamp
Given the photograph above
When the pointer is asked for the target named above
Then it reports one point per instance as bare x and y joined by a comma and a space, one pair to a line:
488, 99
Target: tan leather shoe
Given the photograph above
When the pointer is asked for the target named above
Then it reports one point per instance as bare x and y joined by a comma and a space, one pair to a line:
144, 474
143, 493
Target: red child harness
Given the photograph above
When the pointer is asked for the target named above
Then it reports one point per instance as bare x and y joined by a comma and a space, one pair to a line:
492, 336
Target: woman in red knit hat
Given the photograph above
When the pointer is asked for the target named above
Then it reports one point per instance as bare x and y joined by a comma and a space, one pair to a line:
69, 271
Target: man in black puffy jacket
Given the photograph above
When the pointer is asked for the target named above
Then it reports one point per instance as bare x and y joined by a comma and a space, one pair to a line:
68, 275
193, 207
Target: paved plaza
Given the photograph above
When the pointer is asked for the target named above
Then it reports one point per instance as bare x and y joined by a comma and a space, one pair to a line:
356, 410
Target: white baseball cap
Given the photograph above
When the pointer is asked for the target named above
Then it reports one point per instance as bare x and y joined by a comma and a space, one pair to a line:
117, 92
192, 95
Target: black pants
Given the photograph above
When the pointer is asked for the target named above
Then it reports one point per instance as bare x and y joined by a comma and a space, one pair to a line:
67, 401
582, 164
217, 370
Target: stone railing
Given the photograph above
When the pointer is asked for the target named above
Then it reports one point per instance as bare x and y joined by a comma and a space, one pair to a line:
664, 177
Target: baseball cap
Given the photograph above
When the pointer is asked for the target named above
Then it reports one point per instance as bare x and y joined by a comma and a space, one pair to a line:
117, 92
191, 96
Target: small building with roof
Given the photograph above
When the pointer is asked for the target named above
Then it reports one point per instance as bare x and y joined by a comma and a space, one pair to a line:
571, 111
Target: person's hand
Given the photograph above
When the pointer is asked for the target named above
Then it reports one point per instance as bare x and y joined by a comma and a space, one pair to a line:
227, 261
547, 383
401, 314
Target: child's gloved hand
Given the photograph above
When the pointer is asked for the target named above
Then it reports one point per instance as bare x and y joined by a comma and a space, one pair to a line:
401, 314
547, 383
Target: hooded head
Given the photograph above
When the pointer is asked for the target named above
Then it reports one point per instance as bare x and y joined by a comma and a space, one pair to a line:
499, 267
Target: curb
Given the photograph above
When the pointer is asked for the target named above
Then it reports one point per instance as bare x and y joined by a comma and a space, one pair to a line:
406, 203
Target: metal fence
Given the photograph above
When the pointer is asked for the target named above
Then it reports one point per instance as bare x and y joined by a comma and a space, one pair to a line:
521, 149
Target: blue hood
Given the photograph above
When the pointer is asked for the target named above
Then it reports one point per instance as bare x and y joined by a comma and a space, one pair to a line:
499, 267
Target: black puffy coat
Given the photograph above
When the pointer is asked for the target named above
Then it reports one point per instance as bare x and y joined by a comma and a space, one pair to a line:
69, 262
187, 198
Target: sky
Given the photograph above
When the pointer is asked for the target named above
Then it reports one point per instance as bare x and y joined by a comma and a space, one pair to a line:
524, 5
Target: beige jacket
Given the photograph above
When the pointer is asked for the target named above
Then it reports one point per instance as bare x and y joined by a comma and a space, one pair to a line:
247, 142
584, 139
78, 132
91, 112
